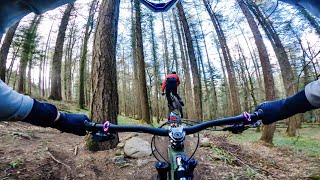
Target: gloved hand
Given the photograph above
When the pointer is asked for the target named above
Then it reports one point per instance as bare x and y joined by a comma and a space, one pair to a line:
47, 115
272, 111
72, 123
281, 109
163, 93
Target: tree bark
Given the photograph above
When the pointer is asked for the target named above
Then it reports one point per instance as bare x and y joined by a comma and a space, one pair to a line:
187, 80
268, 131
69, 52
235, 103
201, 66
29, 76
193, 62
27, 50
45, 62
5, 50
213, 107
166, 51
227, 110
155, 68
83, 58
174, 52
137, 110
14, 57
285, 67
141, 63
104, 104
57, 56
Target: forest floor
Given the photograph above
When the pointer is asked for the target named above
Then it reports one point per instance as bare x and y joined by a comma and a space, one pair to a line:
29, 152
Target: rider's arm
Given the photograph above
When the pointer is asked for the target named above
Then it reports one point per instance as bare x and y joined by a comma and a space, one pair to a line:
303, 101
12, 104
15, 106
12, 11
178, 80
163, 84
313, 93
311, 5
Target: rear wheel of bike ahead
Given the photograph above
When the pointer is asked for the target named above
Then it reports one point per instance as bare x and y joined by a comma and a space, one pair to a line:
177, 106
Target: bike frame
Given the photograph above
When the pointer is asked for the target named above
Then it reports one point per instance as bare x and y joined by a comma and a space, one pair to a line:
177, 158
177, 105
172, 156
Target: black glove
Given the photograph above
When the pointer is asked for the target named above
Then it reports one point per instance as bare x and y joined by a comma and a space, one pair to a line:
72, 123
163, 93
45, 115
281, 109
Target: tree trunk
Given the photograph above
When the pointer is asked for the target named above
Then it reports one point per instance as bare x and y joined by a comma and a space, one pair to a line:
227, 109
155, 67
45, 62
57, 56
142, 73
268, 131
253, 56
104, 105
137, 110
40, 70
14, 57
27, 50
187, 80
213, 107
5, 50
228, 60
249, 80
285, 67
174, 51
83, 58
68, 64
166, 51
201, 66
193, 63
29, 76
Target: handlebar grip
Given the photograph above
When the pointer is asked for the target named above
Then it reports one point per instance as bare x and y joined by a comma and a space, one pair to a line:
94, 127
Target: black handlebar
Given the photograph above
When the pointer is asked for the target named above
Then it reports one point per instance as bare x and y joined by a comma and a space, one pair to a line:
225, 121
94, 127
118, 128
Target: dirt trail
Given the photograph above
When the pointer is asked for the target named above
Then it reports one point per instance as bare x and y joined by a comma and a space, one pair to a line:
29, 152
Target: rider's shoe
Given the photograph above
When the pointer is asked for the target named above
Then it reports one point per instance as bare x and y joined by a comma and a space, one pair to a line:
181, 102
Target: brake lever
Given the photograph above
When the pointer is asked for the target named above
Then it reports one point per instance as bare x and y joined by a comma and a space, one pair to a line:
255, 124
102, 136
239, 128
236, 129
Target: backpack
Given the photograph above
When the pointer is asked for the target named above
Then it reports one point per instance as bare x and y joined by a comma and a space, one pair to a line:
171, 82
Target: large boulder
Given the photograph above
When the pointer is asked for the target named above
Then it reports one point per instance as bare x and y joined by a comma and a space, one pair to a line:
137, 148
205, 142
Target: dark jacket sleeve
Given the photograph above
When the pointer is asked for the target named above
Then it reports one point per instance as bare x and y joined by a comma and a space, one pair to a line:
313, 6
11, 11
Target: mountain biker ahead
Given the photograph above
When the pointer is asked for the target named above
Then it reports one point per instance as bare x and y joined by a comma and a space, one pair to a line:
170, 84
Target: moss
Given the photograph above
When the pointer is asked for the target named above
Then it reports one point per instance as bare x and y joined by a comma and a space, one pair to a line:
307, 140
91, 145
